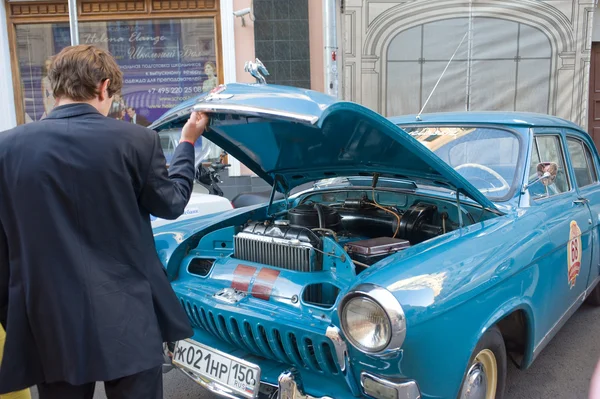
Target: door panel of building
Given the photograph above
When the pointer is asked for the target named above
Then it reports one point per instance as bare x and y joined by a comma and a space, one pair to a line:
594, 103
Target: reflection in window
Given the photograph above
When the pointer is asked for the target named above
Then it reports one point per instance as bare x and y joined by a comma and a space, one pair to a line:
36, 44
164, 62
547, 175
580, 162
509, 68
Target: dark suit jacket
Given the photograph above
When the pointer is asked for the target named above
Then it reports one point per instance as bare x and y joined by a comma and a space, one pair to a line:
83, 295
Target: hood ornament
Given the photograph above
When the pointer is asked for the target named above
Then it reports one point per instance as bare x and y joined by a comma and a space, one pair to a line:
258, 70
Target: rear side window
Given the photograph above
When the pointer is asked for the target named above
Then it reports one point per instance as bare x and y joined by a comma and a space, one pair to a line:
547, 173
582, 162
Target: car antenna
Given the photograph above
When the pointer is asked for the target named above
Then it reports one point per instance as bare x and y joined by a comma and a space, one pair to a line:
441, 76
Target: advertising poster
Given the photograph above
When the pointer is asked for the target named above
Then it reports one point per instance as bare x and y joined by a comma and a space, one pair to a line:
164, 62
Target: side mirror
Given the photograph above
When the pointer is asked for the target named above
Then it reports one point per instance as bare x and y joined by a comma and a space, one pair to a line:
547, 172
203, 175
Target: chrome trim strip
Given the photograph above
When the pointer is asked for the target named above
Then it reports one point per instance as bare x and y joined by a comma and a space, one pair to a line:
255, 111
341, 349
392, 308
408, 389
290, 389
593, 285
211, 386
275, 240
341, 353
557, 326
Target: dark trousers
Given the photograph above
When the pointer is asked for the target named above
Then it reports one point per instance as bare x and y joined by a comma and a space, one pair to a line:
145, 385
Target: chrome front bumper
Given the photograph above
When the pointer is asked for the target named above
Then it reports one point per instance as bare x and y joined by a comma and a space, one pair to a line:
290, 387
289, 383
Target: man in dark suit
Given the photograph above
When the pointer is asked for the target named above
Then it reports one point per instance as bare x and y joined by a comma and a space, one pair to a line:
83, 294
135, 118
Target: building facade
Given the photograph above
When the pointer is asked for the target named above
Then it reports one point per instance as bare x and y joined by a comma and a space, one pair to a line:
507, 55
169, 51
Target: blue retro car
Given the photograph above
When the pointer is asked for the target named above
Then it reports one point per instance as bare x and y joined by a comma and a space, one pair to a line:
430, 251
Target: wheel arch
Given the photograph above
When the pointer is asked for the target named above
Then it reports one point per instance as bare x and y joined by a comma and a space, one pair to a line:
516, 322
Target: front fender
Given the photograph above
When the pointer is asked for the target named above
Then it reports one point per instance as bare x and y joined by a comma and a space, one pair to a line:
437, 351
175, 240
455, 287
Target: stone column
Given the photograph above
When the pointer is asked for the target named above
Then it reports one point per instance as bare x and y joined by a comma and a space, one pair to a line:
350, 48
564, 92
371, 84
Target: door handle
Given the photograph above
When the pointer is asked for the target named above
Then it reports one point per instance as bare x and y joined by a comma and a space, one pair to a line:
580, 201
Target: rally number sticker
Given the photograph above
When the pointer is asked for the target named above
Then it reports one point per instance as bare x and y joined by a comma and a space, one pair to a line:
574, 253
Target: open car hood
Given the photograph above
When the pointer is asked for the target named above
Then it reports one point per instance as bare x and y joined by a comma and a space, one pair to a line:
291, 136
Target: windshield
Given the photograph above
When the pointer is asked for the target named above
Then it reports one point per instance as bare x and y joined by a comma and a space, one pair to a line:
488, 158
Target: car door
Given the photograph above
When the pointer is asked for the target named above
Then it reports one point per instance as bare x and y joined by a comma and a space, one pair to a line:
584, 168
564, 271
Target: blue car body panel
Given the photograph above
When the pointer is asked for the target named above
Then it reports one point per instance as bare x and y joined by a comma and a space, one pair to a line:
452, 288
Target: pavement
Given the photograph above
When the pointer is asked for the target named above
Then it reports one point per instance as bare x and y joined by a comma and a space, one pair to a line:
563, 369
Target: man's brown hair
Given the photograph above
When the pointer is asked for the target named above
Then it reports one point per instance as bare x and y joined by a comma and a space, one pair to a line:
77, 71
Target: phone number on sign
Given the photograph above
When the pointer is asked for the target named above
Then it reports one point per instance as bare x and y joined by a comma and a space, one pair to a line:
175, 90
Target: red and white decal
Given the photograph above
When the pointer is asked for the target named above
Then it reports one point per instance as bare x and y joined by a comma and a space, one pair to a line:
574, 253
242, 275
263, 286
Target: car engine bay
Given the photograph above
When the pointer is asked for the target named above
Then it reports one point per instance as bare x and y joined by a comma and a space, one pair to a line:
367, 230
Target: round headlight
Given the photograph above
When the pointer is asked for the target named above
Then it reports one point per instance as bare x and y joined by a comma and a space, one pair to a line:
366, 324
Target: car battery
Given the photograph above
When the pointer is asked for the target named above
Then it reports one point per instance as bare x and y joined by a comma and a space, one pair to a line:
374, 249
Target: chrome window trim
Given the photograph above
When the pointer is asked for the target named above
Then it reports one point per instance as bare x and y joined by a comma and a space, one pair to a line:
586, 152
566, 166
255, 111
391, 307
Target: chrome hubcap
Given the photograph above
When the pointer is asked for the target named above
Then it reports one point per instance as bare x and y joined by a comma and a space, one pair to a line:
482, 378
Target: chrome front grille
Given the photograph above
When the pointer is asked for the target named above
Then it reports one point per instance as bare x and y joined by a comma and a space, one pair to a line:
274, 252
311, 352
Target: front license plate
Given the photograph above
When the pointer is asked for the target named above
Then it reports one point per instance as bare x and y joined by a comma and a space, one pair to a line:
227, 370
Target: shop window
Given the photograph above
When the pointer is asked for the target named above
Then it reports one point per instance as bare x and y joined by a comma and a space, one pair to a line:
164, 62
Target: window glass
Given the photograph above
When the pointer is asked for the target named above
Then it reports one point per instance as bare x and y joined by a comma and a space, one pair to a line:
591, 162
579, 161
488, 158
547, 175
164, 62
36, 43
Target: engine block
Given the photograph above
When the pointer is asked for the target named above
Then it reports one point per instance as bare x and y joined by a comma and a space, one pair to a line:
280, 245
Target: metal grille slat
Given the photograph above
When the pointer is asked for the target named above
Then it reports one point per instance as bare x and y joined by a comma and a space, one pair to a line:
308, 356
190, 314
237, 335
201, 322
224, 330
262, 342
320, 357
211, 327
291, 349
248, 334
276, 345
